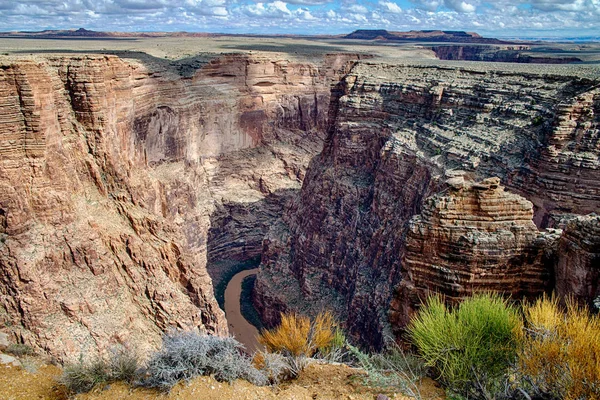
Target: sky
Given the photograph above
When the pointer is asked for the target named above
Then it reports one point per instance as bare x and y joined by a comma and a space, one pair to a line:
503, 18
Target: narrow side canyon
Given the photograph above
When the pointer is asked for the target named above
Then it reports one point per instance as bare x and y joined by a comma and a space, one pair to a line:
408, 132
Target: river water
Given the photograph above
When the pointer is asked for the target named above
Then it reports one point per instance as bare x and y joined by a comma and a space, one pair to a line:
244, 331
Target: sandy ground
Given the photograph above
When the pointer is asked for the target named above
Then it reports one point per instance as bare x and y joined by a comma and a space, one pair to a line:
168, 49
324, 382
241, 329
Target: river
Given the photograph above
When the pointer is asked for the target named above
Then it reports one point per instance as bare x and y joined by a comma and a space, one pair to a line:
244, 331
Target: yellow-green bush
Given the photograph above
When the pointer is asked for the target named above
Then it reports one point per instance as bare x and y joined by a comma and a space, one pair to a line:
560, 353
470, 347
298, 338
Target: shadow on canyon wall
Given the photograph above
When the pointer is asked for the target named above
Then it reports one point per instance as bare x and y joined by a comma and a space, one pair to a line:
236, 235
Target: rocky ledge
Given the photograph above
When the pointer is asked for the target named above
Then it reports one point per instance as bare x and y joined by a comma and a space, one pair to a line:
474, 237
397, 132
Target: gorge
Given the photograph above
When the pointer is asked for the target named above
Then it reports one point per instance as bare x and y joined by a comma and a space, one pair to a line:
361, 182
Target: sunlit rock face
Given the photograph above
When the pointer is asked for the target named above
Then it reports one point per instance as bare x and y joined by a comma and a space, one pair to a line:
119, 179
474, 237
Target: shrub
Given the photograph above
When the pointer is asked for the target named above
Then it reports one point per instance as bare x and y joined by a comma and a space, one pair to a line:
560, 353
82, 377
470, 347
121, 365
186, 355
334, 351
298, 338
537, 121
18, 349
392, 368
274, 366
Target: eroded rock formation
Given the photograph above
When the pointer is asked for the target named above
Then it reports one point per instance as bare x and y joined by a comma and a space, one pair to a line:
121, 180
112, 173
578, 270
473, 237
396, 131
507, 53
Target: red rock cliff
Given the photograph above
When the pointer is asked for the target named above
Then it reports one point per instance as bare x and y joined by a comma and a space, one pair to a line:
395, 133
112, 173
474, 237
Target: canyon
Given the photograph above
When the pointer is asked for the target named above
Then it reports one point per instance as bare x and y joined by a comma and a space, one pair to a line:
126, 182
115, 176
354, 241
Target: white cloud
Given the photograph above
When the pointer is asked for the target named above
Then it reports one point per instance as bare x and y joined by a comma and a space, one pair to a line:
561, 5
508, 17
305, 15
272, 10
309, 2
358, 9
455, 5
390, 7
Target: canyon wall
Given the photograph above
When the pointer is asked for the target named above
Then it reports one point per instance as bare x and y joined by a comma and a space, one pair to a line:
398, 133
122, 181
578, 269
473, 237
119, 178
500, 53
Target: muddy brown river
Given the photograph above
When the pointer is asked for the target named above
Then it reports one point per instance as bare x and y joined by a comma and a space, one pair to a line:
241, 329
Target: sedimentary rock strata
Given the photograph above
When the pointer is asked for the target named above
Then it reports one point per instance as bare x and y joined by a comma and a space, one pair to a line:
473, 237
122, 181
112, 174
396, 131
578, 269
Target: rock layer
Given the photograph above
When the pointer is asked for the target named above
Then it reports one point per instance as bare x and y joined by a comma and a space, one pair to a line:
578, 270
475, 237
112, 173
395, 132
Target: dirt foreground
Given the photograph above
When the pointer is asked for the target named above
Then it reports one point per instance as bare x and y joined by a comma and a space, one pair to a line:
316, 382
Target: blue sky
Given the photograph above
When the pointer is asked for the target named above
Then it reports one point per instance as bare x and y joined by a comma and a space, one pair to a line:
513, 18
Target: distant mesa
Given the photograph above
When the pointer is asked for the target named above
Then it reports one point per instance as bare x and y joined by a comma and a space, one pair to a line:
86, 33
364, 34
426, 36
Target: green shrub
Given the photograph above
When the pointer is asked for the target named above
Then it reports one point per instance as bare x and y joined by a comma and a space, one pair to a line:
470, 347
186, 355
121, 365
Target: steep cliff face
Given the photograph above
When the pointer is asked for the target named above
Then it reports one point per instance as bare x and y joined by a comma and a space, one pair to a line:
474, 237
502, 53
112, 173
578, 270
396, 132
